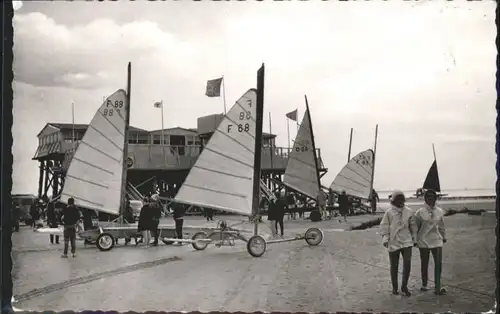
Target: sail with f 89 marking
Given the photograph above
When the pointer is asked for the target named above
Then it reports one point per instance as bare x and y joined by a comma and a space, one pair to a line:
95, 173
222, 177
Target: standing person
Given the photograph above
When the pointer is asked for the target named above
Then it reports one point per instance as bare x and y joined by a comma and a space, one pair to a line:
52, 220
331, 201
430, 239
34, 213
373, 201
209, 212
16, 215
178, 214
280, 213
145, 224
272, 214
321, 199
343, 206
399, 233
87, 219
128, 215
70, 217
156, 216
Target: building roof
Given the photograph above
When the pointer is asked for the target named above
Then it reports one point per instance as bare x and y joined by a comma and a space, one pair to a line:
80, 127
193, 130
83, 127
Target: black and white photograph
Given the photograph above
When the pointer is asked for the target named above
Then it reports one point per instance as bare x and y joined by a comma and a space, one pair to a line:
243, 156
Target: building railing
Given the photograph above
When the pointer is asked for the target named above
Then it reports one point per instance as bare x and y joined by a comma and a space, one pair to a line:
157, 156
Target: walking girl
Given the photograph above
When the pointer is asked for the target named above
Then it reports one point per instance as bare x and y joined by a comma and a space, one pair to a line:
430, 239
399, 232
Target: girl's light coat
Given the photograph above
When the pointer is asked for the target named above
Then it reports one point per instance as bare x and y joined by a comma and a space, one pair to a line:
430, 226
398, 228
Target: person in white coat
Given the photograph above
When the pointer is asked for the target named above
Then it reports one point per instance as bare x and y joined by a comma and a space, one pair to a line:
398, 231
430, 239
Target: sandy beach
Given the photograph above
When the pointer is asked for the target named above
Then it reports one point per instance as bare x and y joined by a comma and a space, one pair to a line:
347, 272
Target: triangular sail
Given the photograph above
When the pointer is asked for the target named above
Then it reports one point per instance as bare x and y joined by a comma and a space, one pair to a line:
432, 180
355, 178
301, 173
222, 177
95, 174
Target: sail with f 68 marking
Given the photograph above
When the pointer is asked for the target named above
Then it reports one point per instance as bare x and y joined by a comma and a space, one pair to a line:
95, 173
301, 173
355, 178
222, 177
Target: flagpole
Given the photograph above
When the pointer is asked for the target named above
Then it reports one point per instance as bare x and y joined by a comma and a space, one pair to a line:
297, 120
73, 121
270, 142
224, 93
162, 136
350, 145
288, 131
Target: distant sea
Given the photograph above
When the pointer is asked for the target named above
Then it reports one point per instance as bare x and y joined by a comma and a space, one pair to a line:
384, 194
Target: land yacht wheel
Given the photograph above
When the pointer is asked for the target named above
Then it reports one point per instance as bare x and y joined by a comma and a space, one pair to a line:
167, 242
199, 245
256, 246
314, 236
105, 242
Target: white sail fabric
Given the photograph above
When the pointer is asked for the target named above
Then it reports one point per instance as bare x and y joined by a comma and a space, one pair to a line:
301, 173
95, 173
222, 177
355, 178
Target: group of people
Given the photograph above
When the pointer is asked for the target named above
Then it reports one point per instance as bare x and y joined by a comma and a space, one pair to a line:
402, 229
325, 201
149, 220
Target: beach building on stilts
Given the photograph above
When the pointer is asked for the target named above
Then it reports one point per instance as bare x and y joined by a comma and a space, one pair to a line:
153, 167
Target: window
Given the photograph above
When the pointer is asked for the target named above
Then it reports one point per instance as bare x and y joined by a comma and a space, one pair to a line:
142, 141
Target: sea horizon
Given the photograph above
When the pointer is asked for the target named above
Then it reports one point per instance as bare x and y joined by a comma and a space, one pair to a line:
384, 194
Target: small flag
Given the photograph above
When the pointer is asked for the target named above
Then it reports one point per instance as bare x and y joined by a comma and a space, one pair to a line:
292, 115
213, 87
158, 104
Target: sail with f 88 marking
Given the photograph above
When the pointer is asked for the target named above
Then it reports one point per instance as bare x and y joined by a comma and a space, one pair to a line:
222, 177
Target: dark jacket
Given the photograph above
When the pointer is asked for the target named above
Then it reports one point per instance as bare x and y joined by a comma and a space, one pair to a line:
87, 219
276, 209
280, 208
146, 218
129, 213
178, 211
34, 212
52, 219
70, 216
343, 203
156, 213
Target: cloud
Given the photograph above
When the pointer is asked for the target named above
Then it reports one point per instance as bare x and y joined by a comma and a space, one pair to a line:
84, 56
405, 68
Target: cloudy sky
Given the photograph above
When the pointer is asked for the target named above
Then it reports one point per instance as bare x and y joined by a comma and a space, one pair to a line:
424, 72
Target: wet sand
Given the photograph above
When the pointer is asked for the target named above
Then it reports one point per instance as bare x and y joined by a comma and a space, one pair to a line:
347, 272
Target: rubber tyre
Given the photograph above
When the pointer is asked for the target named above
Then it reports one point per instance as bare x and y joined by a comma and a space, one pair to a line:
108, 238
315, 216
317, 236
251, 242
199, 246
167, 242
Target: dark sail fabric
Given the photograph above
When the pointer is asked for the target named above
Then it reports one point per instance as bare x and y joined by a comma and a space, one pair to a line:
432, 180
